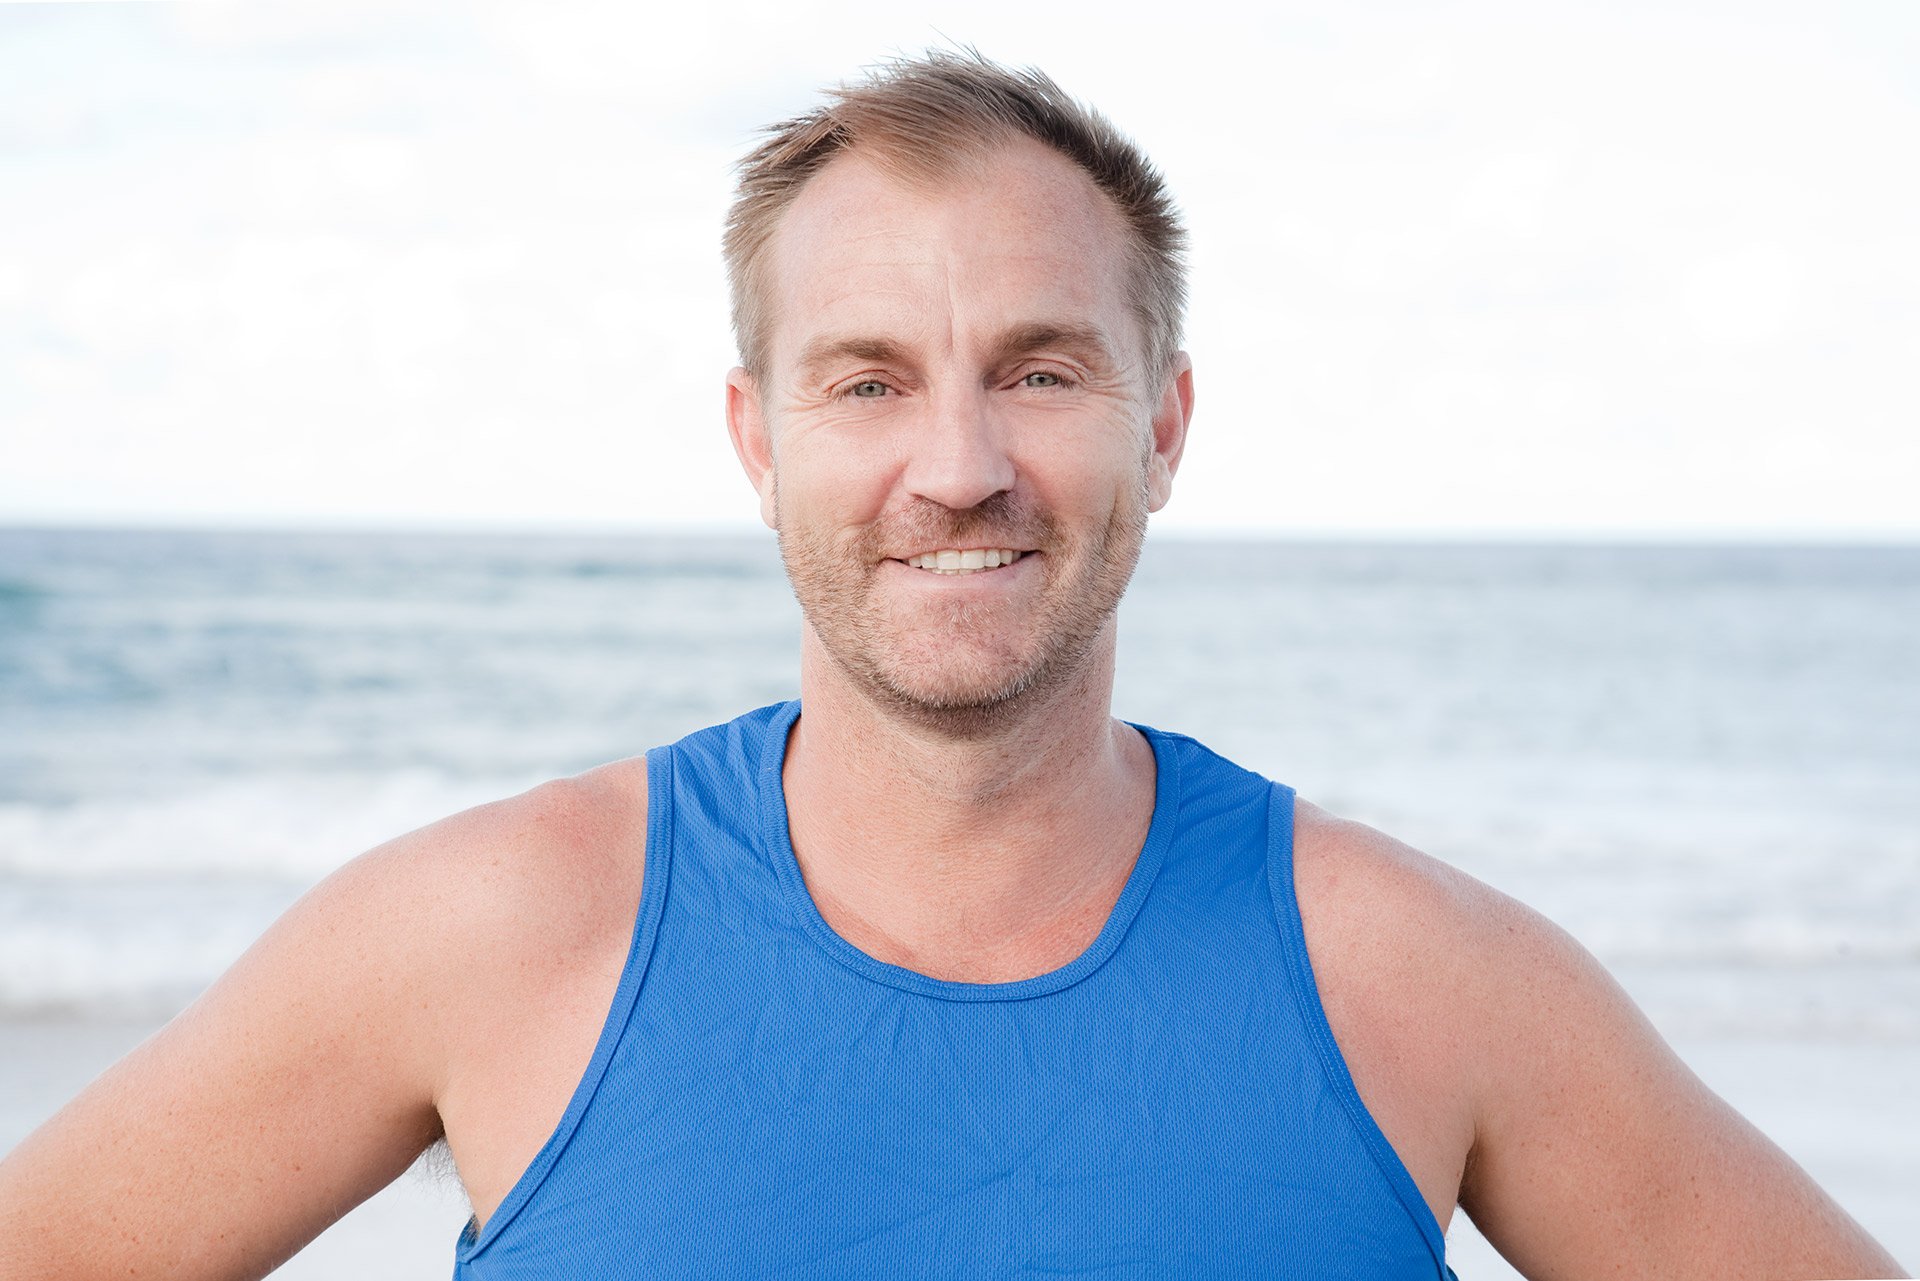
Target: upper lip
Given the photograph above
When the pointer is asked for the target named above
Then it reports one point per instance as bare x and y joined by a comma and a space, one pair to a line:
969, 545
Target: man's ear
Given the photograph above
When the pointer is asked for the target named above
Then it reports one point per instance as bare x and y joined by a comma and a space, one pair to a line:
747, 426
1170, 418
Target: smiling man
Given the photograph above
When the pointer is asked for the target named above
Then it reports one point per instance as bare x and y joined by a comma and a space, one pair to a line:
939, 969
950, 368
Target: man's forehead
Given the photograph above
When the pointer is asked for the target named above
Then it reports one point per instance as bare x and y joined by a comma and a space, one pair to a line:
1022, 236
1055, 187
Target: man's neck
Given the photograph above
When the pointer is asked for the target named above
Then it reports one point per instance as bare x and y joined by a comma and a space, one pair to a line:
984, 858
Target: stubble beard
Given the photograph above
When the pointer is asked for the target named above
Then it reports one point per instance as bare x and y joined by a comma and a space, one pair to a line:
966, 669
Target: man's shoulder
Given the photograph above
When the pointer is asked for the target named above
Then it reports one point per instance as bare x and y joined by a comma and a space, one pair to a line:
442, 983
507, 927
1509, 1070
1347, 872
1427, 976
555, 857
487, 907
1391, 928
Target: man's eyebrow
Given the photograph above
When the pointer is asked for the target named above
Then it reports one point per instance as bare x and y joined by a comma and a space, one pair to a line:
1085, 342
834, 351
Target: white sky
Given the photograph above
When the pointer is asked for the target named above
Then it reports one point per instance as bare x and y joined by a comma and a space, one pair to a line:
1536, 268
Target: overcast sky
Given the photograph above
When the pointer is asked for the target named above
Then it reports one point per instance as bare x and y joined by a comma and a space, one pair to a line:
1471, 268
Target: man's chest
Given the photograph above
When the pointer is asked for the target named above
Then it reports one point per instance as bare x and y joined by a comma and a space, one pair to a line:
750, 1119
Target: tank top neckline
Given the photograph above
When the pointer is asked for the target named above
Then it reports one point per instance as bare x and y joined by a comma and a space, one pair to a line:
778, 843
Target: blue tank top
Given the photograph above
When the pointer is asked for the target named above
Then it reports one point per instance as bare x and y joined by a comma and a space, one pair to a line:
767, 1100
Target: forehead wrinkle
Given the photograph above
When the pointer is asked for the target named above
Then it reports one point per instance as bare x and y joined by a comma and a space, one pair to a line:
915, 278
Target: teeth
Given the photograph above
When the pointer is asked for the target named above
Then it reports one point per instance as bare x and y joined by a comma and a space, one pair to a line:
969, 561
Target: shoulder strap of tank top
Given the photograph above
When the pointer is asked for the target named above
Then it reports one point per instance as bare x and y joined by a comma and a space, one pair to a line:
1306, 994
646, 926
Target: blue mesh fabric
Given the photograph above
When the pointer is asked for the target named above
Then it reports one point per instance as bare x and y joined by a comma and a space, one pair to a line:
768, 1101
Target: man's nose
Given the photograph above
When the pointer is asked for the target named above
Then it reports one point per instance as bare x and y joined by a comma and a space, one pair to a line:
958, 459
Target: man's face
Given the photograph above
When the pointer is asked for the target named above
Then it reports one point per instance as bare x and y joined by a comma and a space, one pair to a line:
954, 376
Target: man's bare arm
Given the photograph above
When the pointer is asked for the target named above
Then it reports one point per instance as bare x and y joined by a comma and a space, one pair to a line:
288, 1093
320, 1065
1506, 1066
1597, 1152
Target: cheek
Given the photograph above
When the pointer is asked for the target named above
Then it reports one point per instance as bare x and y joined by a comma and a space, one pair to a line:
834, 486
1100, 475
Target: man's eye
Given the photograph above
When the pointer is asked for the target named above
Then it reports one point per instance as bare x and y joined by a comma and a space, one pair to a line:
1041, 378
868, 389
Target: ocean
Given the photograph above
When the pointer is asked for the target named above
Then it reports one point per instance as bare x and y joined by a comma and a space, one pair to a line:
1703, 761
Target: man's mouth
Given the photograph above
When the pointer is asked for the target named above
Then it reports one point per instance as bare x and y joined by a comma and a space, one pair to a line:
970, 560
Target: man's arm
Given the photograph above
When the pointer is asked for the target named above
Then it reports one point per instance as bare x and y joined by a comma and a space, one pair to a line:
293, 1089
1597, 1151
315, 1071
1502, 1060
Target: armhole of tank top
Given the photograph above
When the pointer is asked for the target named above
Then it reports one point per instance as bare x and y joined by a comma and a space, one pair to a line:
646, 926
1306, 991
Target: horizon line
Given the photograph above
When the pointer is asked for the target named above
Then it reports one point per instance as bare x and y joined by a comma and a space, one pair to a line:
1653, 536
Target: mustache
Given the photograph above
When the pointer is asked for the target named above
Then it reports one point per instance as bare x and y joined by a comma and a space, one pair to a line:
1000, 520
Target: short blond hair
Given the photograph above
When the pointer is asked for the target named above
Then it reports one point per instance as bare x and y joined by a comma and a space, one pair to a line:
925, 119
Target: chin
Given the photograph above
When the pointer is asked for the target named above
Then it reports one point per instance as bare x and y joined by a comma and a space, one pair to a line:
954, 713
975, 695
951, 683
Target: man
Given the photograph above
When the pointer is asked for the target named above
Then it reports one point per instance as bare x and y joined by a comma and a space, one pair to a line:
950, 973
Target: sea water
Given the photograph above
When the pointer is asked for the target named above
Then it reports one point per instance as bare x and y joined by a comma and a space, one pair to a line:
1703, 761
